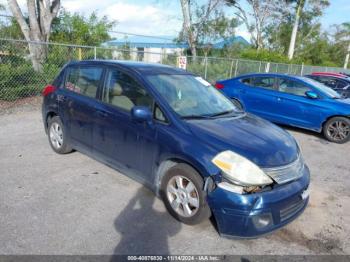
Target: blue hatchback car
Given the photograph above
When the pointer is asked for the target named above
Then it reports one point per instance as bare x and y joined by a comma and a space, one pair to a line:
175, 133
292, 100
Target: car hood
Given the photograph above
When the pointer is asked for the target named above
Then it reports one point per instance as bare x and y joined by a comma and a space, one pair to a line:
342, 105
258, 140
344, 101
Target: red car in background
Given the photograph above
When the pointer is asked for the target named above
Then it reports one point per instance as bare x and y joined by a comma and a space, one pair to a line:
337, 81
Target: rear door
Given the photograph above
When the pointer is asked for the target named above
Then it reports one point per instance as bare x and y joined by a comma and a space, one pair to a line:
295, 108
259, 96
76, 103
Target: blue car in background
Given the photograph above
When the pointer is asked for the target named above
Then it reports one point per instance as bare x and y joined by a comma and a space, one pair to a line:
175, 133
292, 100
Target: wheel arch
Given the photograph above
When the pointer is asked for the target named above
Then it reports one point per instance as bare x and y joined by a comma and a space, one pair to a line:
168, 163
332, 116
50, 114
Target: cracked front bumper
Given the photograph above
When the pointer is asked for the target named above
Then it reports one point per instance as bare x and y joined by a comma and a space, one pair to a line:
252, 215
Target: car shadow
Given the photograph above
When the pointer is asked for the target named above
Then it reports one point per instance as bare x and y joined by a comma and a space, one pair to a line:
143, 228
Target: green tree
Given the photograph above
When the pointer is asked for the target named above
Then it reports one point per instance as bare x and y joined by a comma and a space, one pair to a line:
281, 31
37, 27
77, 29
11, 29
205, 23
255, 18
342, 41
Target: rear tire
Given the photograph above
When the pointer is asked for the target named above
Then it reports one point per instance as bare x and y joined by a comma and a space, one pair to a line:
183, 195
57, 136
337, 130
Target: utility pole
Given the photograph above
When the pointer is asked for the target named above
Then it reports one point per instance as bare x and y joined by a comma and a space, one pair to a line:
346, 62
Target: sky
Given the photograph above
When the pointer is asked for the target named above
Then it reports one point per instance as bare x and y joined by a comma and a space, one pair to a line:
163, 17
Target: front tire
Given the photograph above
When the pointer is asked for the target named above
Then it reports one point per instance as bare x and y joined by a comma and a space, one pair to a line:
337, 130
57, 136
183, 195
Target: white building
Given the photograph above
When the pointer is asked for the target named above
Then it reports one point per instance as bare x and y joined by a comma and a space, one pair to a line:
146, 49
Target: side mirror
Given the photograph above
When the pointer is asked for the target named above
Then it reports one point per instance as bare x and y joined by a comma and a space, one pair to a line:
141, 114
311, 94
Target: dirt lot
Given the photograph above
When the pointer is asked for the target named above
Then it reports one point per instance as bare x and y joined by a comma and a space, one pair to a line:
71, 204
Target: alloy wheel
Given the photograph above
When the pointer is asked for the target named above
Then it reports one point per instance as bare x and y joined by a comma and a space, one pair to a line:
338, 130
56, 135
183, 196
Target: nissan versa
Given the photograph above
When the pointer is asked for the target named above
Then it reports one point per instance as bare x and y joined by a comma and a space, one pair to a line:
175, 133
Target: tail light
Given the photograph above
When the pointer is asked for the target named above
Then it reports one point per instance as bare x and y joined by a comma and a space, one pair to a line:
48, 90
219, 86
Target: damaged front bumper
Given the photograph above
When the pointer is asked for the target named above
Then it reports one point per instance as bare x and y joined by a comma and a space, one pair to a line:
252, 215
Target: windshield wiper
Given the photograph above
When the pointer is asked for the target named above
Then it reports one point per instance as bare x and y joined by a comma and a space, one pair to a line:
229, 112
196, 117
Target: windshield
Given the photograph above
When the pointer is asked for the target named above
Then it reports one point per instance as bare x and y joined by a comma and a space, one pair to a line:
323, 88
191, 96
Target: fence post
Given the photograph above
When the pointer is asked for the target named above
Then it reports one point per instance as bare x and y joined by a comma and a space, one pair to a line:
206, 67
161, 58
236, 68
267, 68
302, 69
95, 53
79, 53
259, 66
231, 68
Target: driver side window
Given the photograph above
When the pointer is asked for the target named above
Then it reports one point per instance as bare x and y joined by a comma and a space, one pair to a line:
123, 91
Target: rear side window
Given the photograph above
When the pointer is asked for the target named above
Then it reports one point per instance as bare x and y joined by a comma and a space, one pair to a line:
123, 91
84, 80
263, 82
292, 87
246, 81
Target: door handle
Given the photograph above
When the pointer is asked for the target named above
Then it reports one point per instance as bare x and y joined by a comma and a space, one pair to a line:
279, 99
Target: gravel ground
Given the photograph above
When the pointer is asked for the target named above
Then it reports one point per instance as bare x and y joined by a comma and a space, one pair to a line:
19, 105
71, 204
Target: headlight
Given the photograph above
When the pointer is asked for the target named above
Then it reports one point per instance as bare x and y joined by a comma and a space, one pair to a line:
240, 170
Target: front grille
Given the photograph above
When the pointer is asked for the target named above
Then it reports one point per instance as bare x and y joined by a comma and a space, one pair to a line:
286, 173
291, 210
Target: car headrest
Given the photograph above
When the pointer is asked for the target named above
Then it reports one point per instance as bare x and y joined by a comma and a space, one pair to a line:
116, 90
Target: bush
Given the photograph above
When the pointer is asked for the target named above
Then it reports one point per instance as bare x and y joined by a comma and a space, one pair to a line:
22, 81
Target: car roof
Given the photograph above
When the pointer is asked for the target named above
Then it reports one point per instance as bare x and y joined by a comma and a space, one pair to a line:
140, 67
328, 74
269, 74
334, 75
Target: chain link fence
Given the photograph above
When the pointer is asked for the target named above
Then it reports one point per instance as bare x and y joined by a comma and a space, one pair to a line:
19, 80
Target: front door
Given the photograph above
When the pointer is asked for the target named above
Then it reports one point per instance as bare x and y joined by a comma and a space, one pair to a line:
295, 108
116, 138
